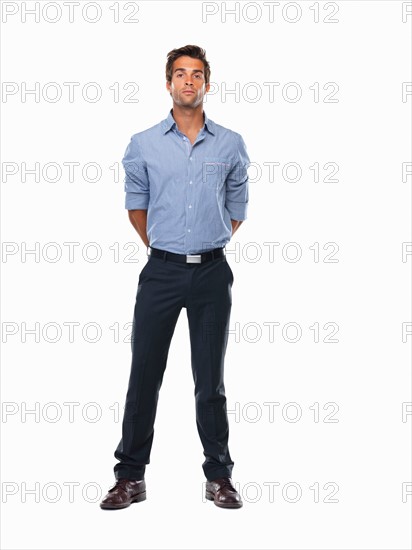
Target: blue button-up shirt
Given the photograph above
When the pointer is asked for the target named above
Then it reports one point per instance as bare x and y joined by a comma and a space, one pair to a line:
191, 192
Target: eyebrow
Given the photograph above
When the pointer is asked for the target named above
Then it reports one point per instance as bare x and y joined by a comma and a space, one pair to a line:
193, 70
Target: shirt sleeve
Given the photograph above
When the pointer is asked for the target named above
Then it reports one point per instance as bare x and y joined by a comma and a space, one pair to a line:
136, 182
237, 184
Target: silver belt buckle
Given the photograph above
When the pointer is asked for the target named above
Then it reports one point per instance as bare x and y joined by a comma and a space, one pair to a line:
193, 258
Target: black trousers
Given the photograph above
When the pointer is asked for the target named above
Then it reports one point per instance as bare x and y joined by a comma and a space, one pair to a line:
164, 288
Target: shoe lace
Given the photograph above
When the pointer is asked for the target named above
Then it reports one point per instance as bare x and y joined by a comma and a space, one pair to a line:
226, 482
120, 484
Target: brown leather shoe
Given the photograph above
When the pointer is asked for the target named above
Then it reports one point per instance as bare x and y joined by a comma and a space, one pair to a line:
222, 492
123, 493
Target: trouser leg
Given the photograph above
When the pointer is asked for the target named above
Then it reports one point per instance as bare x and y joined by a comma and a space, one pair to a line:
208, 311
157, 308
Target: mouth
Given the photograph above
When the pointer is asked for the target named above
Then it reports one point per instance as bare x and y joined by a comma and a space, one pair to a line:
188, 92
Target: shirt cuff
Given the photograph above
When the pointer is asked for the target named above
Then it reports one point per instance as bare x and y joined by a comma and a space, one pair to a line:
137, 201
237, 210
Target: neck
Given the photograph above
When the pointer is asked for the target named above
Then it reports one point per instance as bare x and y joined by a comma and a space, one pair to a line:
187, 118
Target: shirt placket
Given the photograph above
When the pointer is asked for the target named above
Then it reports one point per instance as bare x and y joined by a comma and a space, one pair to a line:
189, 194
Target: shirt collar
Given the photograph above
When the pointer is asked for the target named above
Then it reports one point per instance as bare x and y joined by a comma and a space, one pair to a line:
169, 122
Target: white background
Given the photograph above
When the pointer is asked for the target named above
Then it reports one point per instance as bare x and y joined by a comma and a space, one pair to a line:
362, 289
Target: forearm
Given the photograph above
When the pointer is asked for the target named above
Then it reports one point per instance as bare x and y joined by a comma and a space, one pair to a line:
138, 219
235, 225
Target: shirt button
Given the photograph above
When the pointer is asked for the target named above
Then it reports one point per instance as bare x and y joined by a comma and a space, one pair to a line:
190, 182
189, 230
184, 139
190, 206
190, 158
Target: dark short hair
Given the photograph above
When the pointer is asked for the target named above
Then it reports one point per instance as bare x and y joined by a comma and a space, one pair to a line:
191, 51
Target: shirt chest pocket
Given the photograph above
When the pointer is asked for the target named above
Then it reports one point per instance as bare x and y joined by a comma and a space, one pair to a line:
214, 171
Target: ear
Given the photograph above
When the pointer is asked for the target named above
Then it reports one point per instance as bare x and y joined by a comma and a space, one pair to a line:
207, 87
168, 86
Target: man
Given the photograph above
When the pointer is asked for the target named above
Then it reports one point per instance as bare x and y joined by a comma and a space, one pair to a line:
187, 193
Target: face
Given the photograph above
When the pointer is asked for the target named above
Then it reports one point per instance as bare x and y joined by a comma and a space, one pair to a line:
188, 76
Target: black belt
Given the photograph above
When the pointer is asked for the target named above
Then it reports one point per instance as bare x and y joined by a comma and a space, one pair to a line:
186, 258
